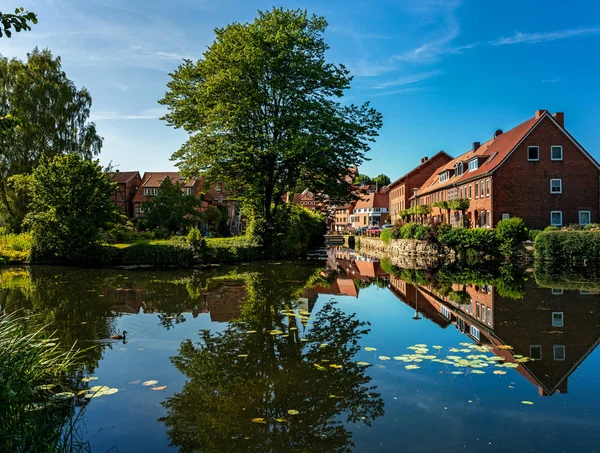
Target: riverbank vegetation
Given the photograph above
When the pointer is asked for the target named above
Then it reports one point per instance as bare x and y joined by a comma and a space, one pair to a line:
504, 241
568, 246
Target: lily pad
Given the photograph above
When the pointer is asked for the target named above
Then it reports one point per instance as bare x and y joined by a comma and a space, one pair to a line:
384, 357
529, 403
293, 412
437, 347
89, 378
412, 367
259, 420
499, 372
477, 372
363, 363
149, 383
162, 387
368, 348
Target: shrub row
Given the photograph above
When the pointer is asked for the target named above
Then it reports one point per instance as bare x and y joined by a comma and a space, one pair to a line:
568, 246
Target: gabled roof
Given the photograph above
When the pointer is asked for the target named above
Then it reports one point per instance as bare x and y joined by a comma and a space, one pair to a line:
154, 180
418, 168
373, 200
123, 177
491, 154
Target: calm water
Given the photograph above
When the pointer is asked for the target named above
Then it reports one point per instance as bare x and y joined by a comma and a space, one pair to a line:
237, 350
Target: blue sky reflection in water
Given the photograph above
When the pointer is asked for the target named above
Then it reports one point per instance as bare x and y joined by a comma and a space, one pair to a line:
424, 409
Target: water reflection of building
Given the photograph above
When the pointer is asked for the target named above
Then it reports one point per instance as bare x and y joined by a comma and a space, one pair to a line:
349, 270
222, 300
557, 328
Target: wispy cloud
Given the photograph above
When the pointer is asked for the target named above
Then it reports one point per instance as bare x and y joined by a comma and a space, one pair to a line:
147, 114
400, 91
551, 80
533, 38
408, 80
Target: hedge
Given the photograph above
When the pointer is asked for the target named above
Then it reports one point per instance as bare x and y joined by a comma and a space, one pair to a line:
568, 246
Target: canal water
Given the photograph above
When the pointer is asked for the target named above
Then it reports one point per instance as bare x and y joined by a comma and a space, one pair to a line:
348, 354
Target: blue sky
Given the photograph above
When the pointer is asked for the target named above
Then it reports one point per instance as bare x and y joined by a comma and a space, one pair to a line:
443, 73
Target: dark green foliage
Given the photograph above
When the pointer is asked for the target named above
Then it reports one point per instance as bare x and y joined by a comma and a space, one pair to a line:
567, 276
533, 234
53, 120
511, 234
71, 202
568, 246
263, 113
293, 232
480, 240
171, 210
379, 180
18, 21
157, 255
387, 235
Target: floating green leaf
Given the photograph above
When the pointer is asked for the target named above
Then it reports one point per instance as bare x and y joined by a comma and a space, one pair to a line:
293, 412
370, 349
384, 357
529, 403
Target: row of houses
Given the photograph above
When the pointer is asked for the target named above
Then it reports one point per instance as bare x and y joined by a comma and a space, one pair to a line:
536, 171
133, 190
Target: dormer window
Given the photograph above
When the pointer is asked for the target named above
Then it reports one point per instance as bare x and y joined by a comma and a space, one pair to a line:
444, 176
459, 168
474, 165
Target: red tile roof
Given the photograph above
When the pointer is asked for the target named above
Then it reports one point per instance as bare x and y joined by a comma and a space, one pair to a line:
491, 153
123, 177
373, 200
416, 169
154, 179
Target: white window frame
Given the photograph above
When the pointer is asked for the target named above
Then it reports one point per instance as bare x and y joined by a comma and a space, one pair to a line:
475, 333
553, 180
554, 223
560, 323
505, 216
531, 351
445, 312
538, 153
552, 150
584, 292
474, 165
558, 347
589, 214
557, 291
487, 187
489, 318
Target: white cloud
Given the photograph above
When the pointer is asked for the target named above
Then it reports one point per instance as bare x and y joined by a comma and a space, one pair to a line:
407, 80
147, 114
534, 38
400, 91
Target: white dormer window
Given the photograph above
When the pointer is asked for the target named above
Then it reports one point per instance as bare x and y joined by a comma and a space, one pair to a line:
187, 190
473, 165
444, 176
459, 169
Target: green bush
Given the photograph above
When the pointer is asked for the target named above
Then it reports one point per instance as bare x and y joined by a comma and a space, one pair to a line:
511, 233
551, 228
157, 255
387, 235
533, 234
16, 248
420, 232
408, 230
481, 240
568, 246
592, 226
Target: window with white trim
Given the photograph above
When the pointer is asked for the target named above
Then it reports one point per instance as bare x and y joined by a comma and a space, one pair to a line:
556, 185
556, 218
446, 312
585, 217
556, 152
476, 190
474, 164
477, 315
557, 291
474, 331
469, 191
489, 318
533, 153
487, 187
558, 319
535, 351
444, 176
505, 216
459, 169
559, 352
187, 190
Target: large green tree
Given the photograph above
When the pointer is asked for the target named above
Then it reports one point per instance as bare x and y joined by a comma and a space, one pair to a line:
171, 209
52, 118
71, 202
263, 112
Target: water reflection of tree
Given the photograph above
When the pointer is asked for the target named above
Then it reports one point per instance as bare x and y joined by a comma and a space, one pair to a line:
226, 390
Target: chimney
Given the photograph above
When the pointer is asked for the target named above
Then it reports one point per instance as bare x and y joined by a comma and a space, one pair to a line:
539, 113
424, 159
560, 118
498, 133
476, 145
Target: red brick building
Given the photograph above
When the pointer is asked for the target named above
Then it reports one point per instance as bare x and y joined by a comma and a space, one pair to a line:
536, 171
128, 183
402, 189
372, 209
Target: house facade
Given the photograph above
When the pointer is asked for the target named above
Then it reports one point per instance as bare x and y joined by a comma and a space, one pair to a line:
372, 209
342, 217
151, 182
536, 171
128, 183
401, 190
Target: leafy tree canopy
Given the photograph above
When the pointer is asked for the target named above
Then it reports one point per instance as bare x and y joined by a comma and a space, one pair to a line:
71, 202
171, 209
263, 112
17, 21
381, 180
52, 117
